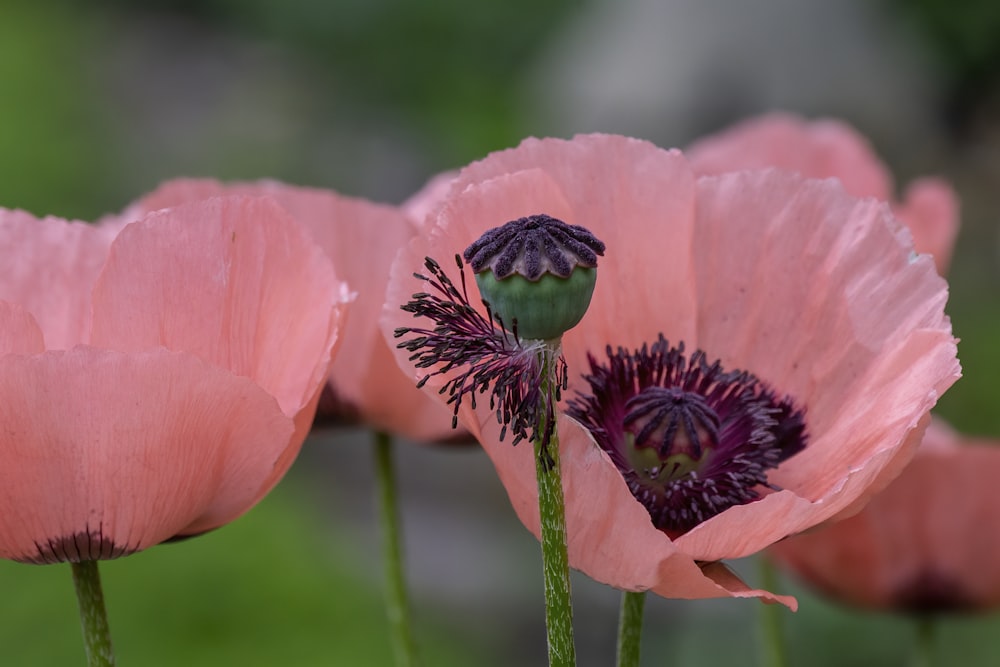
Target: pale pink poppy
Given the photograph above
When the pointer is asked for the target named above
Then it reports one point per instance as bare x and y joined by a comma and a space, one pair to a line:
927, 543
817, 293
831, 149
362, 239
157, 379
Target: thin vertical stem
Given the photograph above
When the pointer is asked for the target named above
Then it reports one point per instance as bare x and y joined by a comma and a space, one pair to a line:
397, 605
772, 637
630, 628
923, 649
93, 615
552, 509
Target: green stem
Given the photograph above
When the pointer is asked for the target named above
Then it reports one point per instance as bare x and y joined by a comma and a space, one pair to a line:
923, 650
630, 628
552, 510
773, 642
397, 606
93, 616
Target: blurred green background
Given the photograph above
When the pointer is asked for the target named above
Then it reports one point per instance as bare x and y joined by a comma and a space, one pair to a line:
99, 103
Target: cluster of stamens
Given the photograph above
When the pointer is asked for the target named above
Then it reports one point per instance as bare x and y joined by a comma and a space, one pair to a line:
478, 356
690, 439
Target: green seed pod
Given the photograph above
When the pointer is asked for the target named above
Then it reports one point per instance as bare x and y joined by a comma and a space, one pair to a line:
536, 271
544, 308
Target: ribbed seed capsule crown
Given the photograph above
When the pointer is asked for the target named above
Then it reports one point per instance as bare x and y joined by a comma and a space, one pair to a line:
537, 273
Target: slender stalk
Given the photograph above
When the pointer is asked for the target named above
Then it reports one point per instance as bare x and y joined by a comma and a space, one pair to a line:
630, 628
397, 605
923, 649
552, 509
93, 616
772, 637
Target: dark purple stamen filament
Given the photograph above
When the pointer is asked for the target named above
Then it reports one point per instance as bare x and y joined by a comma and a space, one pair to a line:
478, 357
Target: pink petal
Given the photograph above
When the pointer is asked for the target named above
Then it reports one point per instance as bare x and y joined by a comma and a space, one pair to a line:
645, 192
137, 447
235, 281
863, 342
930, 210
49, 267
817, 149
361, 238
426, 201
831, 149
930, 533
19, 332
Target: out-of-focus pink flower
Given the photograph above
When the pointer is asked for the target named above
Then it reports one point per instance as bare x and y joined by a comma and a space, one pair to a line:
361, 238
832, 149
927, 543
815, 292
158, 378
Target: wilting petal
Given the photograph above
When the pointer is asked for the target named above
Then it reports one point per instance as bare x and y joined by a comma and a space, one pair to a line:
234, 281
129, 448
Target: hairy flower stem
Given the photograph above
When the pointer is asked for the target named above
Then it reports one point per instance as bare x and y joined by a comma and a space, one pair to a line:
630, 628
396, 603
552, 509
772, 638
93, 616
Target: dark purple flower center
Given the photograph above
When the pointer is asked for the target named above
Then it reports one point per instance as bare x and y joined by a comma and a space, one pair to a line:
534, 245
690, 439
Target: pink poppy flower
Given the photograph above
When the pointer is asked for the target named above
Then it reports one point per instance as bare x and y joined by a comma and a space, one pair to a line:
157, 379
361, 238
831, 149
814, 292
927, 543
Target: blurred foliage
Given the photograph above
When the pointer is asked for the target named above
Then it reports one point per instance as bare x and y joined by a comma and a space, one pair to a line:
964, 35
54, 130
450, 68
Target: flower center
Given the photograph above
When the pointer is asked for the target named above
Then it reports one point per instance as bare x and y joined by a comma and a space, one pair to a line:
668, 432
690, 439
